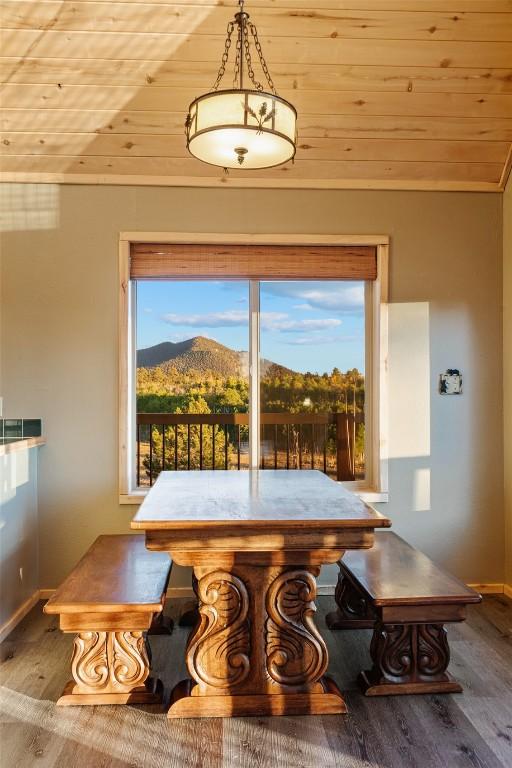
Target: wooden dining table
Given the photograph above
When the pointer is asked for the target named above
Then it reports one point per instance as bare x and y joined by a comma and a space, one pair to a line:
256, 541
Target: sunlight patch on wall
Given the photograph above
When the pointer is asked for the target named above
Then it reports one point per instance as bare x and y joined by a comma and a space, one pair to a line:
14, 472
27, 207
421, 490
409, 380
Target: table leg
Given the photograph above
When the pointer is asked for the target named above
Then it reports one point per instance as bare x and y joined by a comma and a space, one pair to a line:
256, 649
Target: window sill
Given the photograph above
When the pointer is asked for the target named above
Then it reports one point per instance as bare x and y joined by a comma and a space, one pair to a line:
136, 497
373, 497
369, 496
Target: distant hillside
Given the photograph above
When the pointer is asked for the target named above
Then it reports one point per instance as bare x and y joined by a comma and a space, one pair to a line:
202, 354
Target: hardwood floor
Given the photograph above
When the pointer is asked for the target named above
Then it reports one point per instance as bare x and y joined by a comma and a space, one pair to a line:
451, 731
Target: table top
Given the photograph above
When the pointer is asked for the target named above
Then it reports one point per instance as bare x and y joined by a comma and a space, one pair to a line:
252, 498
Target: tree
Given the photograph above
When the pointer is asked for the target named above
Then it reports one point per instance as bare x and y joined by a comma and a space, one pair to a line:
165, 389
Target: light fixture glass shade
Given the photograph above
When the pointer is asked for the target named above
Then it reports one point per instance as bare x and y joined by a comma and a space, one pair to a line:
241, 129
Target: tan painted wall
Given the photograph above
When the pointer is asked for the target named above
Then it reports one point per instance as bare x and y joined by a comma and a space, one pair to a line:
59, 348
507, 371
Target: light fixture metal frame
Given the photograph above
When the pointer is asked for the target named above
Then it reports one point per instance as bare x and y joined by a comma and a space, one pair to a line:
244, 92
241, 21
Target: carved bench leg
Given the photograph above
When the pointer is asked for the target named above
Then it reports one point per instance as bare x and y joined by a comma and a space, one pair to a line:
110, 668
354, 611
408, 658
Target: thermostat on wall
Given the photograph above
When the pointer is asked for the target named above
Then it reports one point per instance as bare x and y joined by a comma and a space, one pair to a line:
450, 383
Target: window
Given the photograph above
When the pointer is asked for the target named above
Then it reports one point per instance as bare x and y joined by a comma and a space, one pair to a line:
312, 376
237, 355
192, 369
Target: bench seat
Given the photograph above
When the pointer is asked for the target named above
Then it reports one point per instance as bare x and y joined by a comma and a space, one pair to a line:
113, 595
406, 599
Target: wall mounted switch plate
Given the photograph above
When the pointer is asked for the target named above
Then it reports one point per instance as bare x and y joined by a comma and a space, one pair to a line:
450, 383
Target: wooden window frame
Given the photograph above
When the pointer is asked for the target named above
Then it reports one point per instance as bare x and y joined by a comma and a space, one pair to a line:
375, 486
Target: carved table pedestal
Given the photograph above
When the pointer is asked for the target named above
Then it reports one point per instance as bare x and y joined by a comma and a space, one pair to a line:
256, 542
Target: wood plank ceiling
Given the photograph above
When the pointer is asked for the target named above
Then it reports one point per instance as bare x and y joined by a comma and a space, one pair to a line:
411, 94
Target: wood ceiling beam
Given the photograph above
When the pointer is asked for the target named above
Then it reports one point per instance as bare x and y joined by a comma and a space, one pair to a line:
324, 169
173, 146
292, 51
311, 126
277, 22
461, 6
260, 182
84, 97
198, 75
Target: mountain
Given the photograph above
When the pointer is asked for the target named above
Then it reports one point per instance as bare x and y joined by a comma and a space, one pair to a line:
199, 354
202, 354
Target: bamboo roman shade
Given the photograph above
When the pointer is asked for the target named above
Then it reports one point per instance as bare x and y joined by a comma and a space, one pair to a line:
255, 262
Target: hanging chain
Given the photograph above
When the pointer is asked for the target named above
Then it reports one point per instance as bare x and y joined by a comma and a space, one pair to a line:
250, 70
263, 63
238, 58
243, 26
225, 56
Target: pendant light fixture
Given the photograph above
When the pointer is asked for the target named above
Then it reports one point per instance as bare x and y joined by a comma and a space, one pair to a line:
242, 127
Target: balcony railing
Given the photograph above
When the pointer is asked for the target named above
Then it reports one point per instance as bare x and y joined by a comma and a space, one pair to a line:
173, 441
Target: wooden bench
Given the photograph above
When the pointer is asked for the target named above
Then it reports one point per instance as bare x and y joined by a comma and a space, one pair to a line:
406, 599
109, 600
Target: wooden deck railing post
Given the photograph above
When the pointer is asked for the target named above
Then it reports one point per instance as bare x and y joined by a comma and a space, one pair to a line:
290, 455
344, 464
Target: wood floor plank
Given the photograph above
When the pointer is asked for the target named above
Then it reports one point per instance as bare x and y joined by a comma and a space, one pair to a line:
496, 608
287, 742
354, 738
22, 746
473, 729
378, 732
498, 645
456, 741
247, 744
493, 723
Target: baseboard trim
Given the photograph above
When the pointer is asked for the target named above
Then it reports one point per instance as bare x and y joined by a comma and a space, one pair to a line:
180, 592
326, 589
188, 592
45, 594
485, 588
8, 626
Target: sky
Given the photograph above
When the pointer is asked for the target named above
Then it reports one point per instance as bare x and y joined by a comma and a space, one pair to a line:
305, 325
